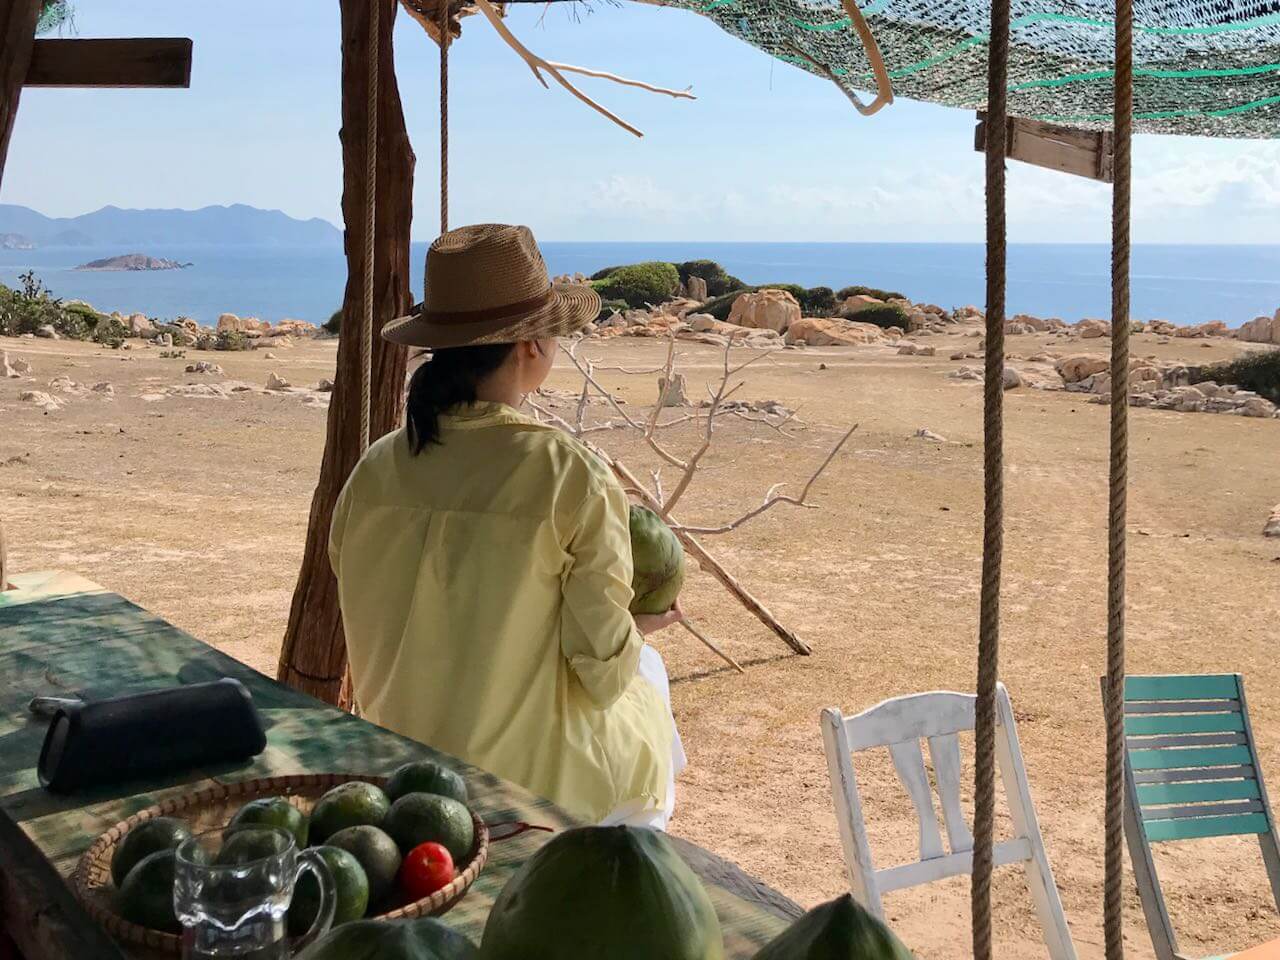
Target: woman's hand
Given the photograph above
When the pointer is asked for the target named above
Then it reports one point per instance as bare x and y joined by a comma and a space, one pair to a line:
648, 623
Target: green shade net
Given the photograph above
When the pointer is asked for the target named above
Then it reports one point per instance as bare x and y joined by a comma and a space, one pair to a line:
1207, 67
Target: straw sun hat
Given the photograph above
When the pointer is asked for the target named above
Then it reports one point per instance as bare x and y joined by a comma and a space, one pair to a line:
487, 283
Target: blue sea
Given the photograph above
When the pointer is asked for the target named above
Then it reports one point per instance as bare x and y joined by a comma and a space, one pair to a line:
1183, 284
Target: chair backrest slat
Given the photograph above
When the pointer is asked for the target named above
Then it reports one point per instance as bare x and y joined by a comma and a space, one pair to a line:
1144, 726
1197, 827
1192, 740
1179, 706
1210, 791
1193, 810
1221, 686
1240, 770
944, 750
909, 762
1194, 757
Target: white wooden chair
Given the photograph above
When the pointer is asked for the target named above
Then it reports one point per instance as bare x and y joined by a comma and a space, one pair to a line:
900, 724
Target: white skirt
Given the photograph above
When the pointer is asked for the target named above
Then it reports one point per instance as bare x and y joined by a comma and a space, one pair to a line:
635, 813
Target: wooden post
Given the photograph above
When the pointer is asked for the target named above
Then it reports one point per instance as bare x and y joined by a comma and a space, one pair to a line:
313, 656
18, 20
17, 35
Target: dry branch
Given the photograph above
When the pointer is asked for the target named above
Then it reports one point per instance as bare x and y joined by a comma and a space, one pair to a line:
537, 64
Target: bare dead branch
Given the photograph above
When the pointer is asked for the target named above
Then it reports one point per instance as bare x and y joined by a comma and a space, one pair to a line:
773, 498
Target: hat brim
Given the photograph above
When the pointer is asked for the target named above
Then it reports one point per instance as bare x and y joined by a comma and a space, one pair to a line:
571, 307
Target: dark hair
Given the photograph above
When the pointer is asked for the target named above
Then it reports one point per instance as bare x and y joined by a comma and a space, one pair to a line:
449, 378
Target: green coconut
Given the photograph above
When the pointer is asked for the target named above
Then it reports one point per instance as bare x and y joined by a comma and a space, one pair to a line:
603, 893
838, 930
657, 561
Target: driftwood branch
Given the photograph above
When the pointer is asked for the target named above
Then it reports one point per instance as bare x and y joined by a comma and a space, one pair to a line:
773, 498
557, 70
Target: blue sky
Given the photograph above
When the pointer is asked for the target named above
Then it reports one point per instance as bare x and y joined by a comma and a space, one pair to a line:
766, 152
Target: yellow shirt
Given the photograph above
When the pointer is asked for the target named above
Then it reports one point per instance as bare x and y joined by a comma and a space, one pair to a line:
484, 586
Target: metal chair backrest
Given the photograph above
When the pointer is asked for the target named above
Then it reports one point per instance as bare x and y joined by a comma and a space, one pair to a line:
938, 718
1191, 771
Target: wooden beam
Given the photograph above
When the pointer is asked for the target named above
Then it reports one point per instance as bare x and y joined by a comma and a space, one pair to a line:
37, 908
141, 62
1083, 153
18, 20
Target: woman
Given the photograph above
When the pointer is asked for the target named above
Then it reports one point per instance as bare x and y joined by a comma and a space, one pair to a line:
484, 560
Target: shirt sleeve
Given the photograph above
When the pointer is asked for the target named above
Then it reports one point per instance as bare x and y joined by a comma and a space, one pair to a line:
598, 634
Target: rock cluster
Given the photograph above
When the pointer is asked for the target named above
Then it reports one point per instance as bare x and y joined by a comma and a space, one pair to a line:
1164, 386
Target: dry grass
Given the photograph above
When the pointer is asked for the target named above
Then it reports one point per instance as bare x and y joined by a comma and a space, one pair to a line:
197, 510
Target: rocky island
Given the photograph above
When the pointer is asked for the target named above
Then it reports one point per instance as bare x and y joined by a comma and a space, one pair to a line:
133, 261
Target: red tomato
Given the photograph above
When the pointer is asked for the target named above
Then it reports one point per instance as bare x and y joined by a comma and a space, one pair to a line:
426, 868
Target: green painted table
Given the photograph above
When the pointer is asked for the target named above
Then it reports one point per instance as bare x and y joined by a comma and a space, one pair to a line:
61, 635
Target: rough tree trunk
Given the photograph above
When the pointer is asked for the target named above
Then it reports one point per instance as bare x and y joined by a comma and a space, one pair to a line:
313, 657
17, 33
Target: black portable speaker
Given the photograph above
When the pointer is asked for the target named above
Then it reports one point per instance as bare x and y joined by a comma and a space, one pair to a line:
148, 734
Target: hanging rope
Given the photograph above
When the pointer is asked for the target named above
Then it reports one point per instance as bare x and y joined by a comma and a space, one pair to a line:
370, 216
446, 38
993, 485
1113, 921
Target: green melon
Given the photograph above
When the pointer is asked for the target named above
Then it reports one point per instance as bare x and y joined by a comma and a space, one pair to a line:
350, 804
350, 887
603, 892
426, 776
838, 930
418, 818
657, 562
148, 837
377, 853
146, 895
272, 812
422, 939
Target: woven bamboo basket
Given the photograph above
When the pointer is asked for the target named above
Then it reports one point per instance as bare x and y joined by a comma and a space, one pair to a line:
210, 809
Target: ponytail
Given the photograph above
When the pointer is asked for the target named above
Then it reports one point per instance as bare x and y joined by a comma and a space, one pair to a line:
448, 379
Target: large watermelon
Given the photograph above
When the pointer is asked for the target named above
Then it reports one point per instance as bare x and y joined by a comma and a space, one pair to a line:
603, 893
422, 939
657, 562
838, 930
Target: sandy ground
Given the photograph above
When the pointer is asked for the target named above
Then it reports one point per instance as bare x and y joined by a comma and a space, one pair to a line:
196, 508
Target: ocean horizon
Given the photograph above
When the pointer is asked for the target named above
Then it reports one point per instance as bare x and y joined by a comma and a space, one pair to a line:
1185, 284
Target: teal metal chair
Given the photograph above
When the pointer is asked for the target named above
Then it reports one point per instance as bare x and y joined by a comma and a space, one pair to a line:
1191, 770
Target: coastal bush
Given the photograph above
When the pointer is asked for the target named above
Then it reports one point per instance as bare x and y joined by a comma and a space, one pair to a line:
109, 331
884, 315
818, 302
719, 281
858, 291
1259, 372
334, 323
32, 307
651, 282
231, 340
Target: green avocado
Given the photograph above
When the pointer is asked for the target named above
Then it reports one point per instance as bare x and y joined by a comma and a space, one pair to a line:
150, 836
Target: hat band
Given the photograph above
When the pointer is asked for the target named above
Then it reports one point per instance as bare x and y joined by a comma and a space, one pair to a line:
490, 313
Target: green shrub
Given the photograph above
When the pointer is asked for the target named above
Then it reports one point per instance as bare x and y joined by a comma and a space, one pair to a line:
846, 292
1257, 371
818, 302
334, 323
885, 315
32, 307
719, 281
601, 274
231, 340
609, 307
651, 282
110, 331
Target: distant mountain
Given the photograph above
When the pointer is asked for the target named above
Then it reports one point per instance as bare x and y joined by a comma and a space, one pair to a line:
218, 226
